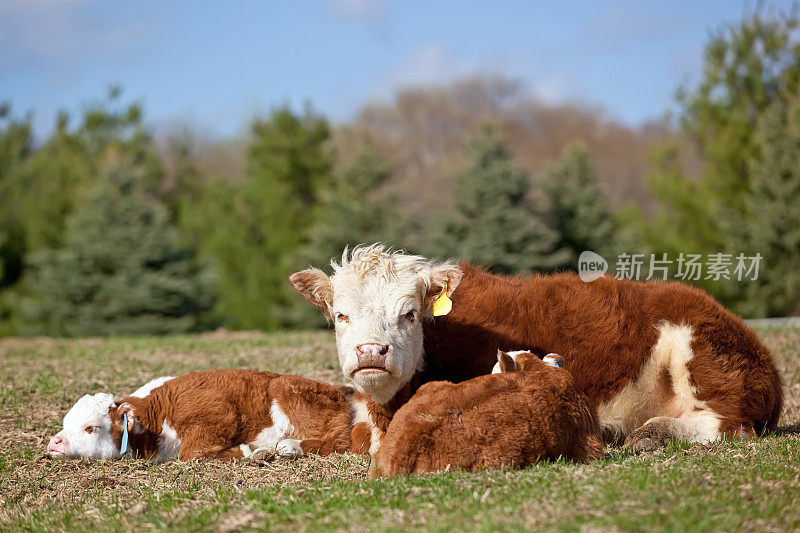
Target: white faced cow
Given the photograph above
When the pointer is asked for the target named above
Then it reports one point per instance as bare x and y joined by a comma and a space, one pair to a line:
658, 360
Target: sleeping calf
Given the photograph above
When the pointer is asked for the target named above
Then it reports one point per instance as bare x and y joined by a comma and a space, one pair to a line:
222, 414
529, 411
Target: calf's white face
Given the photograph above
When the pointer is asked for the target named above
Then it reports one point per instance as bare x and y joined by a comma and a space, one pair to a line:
87, 430
377, 300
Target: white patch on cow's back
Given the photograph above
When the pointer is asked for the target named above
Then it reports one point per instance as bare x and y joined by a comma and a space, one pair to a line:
361, 414
169, 445
280, 429
644, 398
145, 389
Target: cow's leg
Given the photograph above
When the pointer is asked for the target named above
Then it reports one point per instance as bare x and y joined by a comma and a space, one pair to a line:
317, 446
701, 426
231, 454
284, 449
202, 443
682, 392
289, 449
188, 453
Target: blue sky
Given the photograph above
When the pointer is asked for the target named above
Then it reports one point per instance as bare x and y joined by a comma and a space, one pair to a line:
214, 64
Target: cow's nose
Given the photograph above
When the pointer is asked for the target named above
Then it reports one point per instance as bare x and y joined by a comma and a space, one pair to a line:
372, 349
54, 442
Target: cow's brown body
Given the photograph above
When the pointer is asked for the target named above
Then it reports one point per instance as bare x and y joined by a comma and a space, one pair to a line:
213, 412
507, 419
606, 331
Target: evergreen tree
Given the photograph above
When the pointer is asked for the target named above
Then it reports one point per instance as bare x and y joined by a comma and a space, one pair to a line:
16, 146
253, 231
749, 69
120, 270
771, 223
42, 189
353, 209
577, 209
494, 223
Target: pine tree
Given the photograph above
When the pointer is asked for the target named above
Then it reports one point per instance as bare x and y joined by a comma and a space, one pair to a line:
577, 209
494, 223
252, 232
353, 209
42, 189
747, 67
121, 269
16, 146
771, 224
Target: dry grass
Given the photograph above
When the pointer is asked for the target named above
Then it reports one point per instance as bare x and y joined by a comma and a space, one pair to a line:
41, 378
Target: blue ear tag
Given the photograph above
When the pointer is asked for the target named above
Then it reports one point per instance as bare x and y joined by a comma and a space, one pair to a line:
123, 446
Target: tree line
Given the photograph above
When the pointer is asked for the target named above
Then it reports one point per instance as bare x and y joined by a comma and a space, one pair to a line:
106, 230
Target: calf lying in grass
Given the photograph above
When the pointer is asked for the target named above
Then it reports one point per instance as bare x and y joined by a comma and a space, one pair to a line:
528, 412
222, 414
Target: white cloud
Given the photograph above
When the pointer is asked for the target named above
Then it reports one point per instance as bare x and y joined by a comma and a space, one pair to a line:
436, 64
553, 89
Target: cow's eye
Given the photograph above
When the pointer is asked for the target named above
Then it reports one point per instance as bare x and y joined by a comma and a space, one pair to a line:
342, 318
410, 316
89, 429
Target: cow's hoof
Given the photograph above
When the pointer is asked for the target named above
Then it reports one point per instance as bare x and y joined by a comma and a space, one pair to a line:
645, 444
288, 449
261, 455
612, 437
647, 438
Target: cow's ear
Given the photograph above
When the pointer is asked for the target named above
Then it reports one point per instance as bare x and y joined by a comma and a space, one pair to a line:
127, 409
315, 286
444, 278
506, 362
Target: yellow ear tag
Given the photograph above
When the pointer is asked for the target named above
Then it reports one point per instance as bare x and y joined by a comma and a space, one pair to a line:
443, 304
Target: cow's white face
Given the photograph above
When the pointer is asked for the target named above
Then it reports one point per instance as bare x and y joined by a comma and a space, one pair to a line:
377, 301
87, 430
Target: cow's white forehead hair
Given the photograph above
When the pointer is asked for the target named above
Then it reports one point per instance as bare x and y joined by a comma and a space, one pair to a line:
89, 409
382, 264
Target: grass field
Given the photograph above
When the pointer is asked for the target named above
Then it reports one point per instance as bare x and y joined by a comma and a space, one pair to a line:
746, 485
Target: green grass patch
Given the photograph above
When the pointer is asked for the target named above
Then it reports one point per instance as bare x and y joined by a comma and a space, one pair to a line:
733, 485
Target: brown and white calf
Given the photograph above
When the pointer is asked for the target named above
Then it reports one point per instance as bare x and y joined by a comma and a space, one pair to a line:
222, 414
658, 360
527, 412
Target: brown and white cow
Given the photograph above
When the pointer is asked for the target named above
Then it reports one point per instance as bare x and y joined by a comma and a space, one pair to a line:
222, 414
658, 360
526, 412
